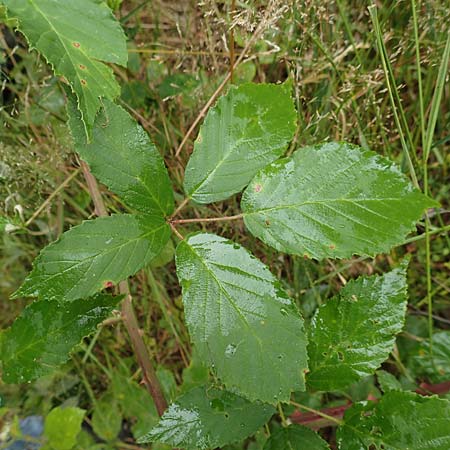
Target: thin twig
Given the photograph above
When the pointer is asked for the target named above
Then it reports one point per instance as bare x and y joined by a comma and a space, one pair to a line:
52, 195
176, 232
180, 207
318, 413
100, 208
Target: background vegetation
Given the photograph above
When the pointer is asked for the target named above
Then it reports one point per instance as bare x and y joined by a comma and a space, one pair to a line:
179, 52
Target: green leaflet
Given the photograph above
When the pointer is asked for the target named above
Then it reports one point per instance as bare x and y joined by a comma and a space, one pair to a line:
388, 382
434, 365
400, 420
295, 437
90, 256
135, 404
3, 223
208, 418
74, 37
248, 128
62, 426
240, 319
354, 332
121, 155
107, 419
42, 337
332, 200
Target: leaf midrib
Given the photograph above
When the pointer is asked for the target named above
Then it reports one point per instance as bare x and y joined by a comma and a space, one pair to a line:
318, 202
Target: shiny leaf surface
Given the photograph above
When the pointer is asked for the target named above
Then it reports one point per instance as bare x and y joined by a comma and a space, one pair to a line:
240, 319
91, 256
208, 418
42, 337
121, 156
332, 200
295, 437
400, 420
75, 37
248, 128
354, 332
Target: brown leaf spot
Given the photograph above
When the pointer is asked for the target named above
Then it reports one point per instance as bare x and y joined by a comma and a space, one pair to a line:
76, 44
82, 67
332, 247
258, 188
83, 82
108, 284
267, 223
306, 256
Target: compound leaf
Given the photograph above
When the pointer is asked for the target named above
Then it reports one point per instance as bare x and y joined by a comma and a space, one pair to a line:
121, 155
240, 319
400, 420
95, 255
75, 37
354, 332
295, 437
208, 418
248, 128
332, 200
42, 337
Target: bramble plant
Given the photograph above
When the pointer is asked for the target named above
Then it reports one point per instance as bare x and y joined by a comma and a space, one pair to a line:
332, 200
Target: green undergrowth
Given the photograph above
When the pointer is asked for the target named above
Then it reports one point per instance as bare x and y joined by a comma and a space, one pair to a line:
177, 58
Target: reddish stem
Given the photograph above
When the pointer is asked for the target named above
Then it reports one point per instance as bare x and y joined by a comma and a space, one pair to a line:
315, 421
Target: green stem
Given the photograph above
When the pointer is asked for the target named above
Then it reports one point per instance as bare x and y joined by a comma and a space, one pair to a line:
435, 103
318, 412
207, 219
392, 90
282, 416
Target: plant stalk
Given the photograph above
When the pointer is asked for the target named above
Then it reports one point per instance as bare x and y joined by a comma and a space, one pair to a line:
207, 219
128, 315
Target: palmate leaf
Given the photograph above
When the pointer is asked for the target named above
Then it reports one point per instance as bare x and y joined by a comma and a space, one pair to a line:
399, 421
75, 37
240, 319
295, 437
206, 417
121, 155
42, 337
91, 256
332, 200
354, 332
248, 128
